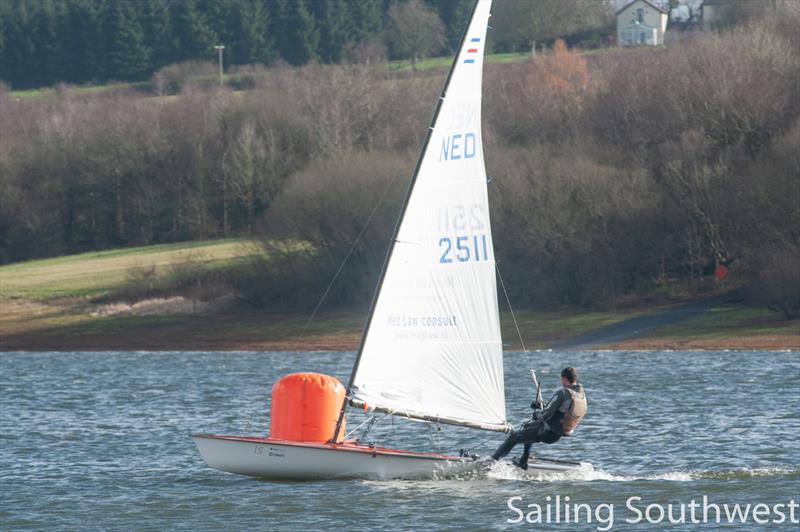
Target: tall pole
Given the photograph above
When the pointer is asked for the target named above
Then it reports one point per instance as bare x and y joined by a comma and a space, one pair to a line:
219, 49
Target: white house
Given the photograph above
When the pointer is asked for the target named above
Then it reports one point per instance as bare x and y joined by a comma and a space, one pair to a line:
641, 22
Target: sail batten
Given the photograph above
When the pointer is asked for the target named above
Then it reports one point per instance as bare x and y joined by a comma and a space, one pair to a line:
432, 346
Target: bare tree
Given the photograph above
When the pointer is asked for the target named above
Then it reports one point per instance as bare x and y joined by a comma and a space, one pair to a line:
414, 31
246, 166
524, 23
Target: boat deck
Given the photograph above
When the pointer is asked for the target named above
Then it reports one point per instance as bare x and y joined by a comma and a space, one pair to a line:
348, 445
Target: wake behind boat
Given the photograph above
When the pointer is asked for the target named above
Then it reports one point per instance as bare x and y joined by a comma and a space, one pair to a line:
432, 348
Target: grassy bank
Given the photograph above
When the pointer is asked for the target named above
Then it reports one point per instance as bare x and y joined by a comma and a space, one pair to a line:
95, 273
726, 326
70, 325
56, 304
235, 79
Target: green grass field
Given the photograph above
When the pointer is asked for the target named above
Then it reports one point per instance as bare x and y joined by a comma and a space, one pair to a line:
46, 92
438, 62
398, 66
89, 274
728, 325
539, 328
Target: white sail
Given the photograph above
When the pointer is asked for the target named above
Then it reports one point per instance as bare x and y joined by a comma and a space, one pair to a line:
433, 347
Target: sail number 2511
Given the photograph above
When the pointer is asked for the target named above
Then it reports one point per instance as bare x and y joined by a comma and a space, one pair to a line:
460, 247
463, 249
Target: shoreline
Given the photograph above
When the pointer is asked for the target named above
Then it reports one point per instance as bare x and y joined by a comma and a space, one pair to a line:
75, 325
68, 304
349, 341
267, 349
781, 343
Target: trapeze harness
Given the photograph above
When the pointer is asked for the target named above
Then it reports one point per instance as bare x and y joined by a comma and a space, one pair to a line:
577, 409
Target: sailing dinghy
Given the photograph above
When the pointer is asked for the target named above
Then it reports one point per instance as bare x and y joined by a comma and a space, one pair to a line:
432, 349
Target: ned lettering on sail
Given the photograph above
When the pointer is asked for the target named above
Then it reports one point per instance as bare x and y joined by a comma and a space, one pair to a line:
458, 146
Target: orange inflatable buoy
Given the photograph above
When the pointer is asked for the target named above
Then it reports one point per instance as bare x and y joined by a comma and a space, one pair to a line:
305, 408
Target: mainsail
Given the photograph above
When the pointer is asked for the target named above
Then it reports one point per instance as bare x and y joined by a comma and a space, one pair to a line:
432, 348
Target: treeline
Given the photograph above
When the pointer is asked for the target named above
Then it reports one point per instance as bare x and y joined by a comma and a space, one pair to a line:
43, 42
84, 172
616, 173
79, 41
629, 172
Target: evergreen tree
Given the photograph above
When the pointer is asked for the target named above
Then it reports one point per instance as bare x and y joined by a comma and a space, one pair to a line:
301, 34
128, 56
83, 41
250, 27
4, 19
278, 10
218, 13
367, 17
60, 67
155, 17
335, 28
46, 41
44, 64
194, 38
19, 47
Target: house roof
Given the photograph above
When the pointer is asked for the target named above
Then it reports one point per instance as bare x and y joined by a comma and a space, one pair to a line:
651, 4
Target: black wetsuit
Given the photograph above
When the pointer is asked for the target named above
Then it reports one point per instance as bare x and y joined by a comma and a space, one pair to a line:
545, 427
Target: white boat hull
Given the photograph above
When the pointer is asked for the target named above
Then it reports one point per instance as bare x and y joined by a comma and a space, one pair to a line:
275, 459
278, 459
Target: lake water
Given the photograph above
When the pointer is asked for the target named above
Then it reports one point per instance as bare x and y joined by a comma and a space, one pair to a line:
101, 441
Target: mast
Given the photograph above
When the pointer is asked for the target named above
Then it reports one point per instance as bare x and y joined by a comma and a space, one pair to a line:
387, 258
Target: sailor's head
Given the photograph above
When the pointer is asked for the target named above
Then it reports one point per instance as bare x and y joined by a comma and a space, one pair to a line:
569, 376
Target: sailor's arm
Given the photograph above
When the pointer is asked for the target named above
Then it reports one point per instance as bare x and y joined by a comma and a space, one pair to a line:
551, 408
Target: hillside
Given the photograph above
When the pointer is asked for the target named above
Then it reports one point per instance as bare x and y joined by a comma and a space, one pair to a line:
69, 303
652, 174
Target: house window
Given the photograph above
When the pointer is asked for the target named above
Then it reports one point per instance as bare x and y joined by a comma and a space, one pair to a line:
640, 15
643, 38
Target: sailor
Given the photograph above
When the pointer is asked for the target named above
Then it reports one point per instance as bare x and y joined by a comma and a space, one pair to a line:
549, 423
